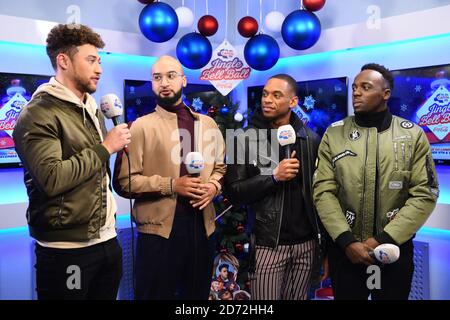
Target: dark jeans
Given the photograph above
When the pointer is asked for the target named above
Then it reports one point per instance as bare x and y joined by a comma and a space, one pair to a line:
176, 268
349, 280
91, 273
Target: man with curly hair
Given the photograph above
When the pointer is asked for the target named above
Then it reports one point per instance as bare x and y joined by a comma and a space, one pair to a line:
62, 141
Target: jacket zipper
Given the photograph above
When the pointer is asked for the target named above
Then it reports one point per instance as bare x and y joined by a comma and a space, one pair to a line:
365, 183
310, 174
377, 216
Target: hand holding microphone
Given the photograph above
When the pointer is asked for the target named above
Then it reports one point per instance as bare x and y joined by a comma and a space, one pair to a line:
359, 252
386, 253
118, 138
288, 168
190, 185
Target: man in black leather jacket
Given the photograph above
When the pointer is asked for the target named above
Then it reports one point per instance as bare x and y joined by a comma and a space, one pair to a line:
278, 194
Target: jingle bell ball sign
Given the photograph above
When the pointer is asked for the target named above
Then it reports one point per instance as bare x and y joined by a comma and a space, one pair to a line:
225, 69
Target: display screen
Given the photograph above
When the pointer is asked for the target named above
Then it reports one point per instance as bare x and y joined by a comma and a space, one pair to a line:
140, 99
15, 91
422, 95
321, 102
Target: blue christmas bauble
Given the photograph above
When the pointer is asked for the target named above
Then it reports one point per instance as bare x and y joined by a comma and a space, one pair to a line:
261, 52
158, 22
301, 29
194, 50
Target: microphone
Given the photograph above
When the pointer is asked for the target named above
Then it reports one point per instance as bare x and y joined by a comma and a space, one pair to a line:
112, 108
286, 137
386, 253
194, 163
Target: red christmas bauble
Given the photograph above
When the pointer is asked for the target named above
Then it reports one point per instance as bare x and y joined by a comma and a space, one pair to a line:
239, 247
240, 228
207, 25
313, 5
212, 112
247, 27
146, 1
223, 250
226, 201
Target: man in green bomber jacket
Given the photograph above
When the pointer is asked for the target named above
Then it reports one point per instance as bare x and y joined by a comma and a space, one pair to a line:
61, 139
375, 183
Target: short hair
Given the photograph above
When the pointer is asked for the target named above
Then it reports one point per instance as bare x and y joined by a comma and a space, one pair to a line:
290, 81
64, 38
387, 75
224, 265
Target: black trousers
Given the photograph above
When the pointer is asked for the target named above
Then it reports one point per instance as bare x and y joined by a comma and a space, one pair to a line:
91, 273
178, 268
349, 280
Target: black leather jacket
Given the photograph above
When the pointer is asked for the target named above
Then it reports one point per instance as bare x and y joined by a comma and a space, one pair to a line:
252, 184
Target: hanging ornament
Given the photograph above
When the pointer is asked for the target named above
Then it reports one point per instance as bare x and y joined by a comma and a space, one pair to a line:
185, 17
226, 201
240, 228
301, 29
313, 5
194, 50
274, 20
158, 22
224, 110
223, 250
261, 52
211, 112
238, 117
248, 27
207, 25
239, 247
146, 1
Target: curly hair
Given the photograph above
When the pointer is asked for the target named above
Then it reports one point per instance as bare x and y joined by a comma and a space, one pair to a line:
387, 75
65, 38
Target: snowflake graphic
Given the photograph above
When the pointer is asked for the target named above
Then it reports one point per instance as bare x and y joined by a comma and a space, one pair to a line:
418, 88
309, 102
337, 88
197, 104
333, 106
404, 107
138, 102
320, 91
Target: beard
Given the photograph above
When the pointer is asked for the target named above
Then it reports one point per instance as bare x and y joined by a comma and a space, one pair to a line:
84, 85
168, 101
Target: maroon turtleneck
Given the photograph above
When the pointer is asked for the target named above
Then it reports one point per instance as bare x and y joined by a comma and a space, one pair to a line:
186, 122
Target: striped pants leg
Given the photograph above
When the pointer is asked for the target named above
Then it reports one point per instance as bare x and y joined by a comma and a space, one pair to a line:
283, 273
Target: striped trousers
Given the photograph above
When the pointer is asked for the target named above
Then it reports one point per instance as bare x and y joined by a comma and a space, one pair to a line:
283, 273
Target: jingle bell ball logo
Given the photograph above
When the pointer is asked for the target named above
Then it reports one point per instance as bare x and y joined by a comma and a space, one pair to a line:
435, 113
226, 53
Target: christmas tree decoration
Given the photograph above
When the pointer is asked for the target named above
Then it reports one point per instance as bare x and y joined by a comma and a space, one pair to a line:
185, 17
194, 50
207, 25
238, 117
261, 52
274, 21
313, 5
158, 22
301, 29
247, 27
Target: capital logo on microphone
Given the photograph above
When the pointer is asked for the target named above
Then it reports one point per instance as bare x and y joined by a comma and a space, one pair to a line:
384, 257
196, 163
285, 134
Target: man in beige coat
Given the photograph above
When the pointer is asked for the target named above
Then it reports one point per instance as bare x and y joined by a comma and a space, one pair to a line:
173, 210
